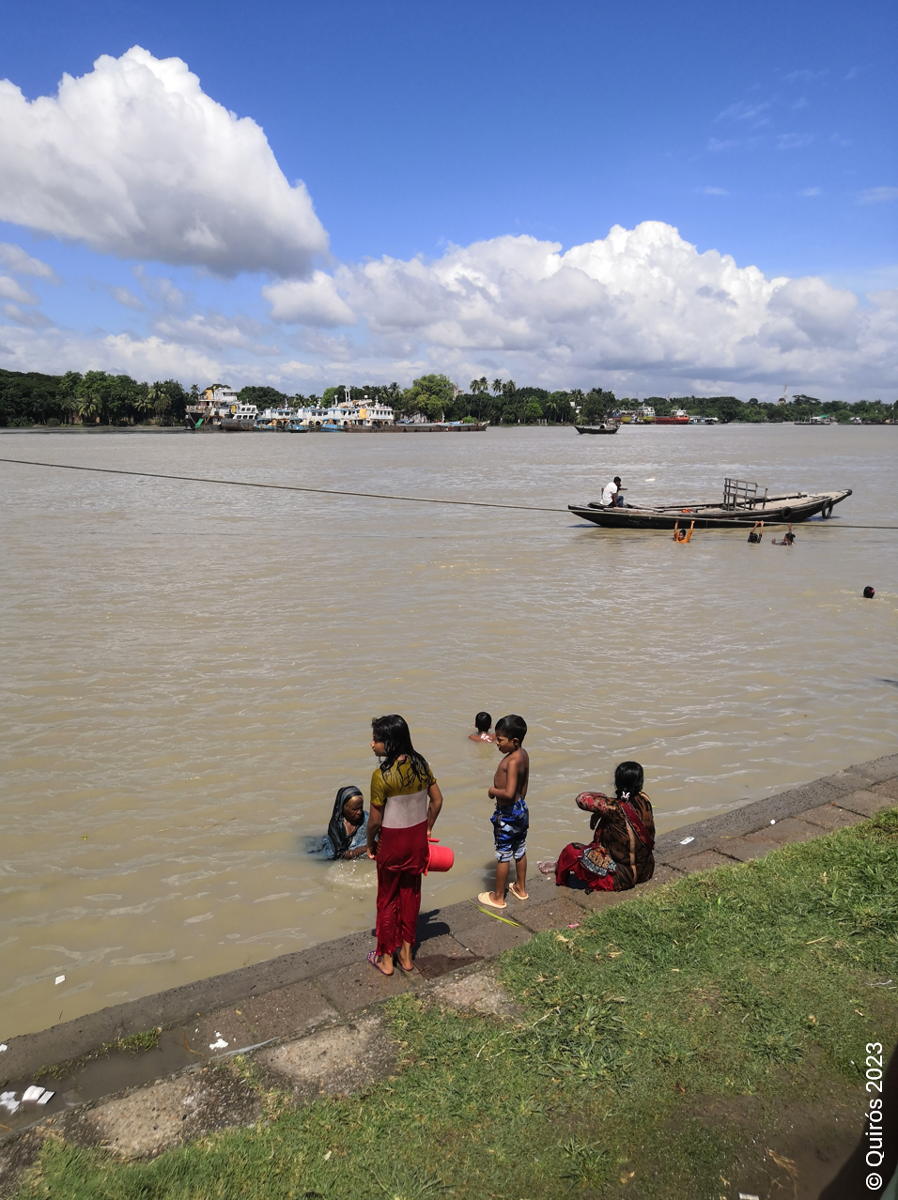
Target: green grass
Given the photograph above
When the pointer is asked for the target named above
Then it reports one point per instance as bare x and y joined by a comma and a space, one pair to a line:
643, 1032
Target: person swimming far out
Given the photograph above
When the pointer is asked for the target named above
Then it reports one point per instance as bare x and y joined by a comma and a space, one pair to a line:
788, 538
347, 834
757, 532
681, 535
483, 723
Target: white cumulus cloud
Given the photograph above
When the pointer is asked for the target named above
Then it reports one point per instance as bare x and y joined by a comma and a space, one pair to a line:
134, 159
641, 302
314, 301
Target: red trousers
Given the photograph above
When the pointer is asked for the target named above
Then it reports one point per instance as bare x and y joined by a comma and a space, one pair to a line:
401, 861
569, 864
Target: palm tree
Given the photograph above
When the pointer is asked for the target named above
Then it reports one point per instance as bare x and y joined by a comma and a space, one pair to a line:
497, 387
143, 402
509, 389
88, 407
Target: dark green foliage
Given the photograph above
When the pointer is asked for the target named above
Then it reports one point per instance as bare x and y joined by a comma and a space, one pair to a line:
96, 398
263, 397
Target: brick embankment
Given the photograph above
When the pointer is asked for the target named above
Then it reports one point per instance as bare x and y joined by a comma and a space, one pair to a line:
289, 1004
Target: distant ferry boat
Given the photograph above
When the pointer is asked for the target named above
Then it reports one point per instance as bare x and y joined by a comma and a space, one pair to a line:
273, 420
680, 417
208, 410
644, 415
240, 417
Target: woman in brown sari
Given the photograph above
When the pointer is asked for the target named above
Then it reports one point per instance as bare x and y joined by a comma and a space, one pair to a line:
620, 854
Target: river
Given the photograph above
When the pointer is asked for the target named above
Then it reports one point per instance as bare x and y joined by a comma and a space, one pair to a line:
190, 670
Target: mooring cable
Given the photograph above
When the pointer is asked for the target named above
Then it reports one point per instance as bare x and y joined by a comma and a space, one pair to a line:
296, 487
282, 487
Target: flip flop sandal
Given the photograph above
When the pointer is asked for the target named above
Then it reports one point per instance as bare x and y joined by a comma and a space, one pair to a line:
376, 965
517, 895
484, 898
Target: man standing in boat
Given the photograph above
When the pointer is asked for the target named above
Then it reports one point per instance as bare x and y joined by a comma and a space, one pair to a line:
611, 496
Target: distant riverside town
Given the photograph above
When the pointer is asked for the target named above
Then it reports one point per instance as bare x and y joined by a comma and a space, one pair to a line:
29, 398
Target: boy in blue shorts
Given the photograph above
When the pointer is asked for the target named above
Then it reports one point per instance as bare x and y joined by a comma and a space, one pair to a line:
511, 819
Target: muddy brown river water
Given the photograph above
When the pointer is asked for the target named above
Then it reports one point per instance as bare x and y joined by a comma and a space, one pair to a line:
189, 670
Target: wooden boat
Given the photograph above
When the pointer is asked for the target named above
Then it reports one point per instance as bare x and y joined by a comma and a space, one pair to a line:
605, 427
742, 505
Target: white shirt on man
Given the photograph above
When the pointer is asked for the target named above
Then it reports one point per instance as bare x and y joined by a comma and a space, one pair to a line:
609, 493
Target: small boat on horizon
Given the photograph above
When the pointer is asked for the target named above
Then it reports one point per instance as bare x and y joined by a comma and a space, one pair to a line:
605, 427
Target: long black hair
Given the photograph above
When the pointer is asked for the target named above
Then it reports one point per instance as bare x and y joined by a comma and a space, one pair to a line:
628, 780
394, 732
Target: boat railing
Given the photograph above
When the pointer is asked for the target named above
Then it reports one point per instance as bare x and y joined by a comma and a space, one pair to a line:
739, 493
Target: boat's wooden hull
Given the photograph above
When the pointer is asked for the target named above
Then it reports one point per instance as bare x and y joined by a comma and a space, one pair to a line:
778, 510
597, 428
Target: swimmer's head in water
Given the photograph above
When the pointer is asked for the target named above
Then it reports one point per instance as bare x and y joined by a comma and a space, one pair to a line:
789, 538
482, 722
869, 593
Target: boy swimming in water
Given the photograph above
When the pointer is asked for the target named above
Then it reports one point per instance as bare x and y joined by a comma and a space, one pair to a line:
511, 820
482, 723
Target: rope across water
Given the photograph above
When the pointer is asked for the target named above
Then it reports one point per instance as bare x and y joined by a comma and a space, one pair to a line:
296, 487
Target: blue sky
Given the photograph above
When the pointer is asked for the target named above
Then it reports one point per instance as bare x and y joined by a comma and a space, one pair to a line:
466, 165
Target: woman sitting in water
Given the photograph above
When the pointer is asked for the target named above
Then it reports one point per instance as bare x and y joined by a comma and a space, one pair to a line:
620, 854
347, 834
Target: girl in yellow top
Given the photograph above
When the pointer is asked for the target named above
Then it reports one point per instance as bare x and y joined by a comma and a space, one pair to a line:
405, 803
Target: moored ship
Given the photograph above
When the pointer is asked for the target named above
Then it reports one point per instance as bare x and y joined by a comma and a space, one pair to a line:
680, 417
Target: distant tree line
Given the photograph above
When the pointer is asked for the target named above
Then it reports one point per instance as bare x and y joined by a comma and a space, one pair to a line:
98, 398
95, 398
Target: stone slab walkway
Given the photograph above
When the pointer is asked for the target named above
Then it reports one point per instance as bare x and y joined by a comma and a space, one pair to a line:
281, 1009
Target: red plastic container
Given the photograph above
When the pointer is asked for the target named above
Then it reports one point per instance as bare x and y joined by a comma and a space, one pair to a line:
441, 857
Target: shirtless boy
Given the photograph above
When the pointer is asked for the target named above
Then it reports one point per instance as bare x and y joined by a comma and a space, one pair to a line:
511, 819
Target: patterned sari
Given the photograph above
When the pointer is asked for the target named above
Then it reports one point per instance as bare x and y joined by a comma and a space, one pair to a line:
620, 854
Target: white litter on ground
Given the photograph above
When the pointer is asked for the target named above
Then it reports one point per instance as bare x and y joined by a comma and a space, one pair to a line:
3, 1046
8, 1101
60, 979
220, 1044
686, 841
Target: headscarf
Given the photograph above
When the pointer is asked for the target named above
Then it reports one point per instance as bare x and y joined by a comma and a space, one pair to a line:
336, 831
